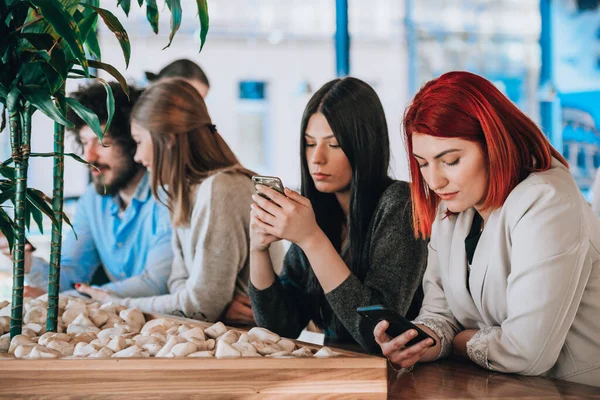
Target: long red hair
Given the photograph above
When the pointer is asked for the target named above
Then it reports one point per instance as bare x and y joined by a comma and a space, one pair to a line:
467, 106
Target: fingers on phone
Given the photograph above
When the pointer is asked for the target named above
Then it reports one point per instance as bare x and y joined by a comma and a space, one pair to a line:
379, 333
418, 349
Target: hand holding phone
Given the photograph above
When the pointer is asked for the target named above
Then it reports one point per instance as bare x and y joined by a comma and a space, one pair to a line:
398, 324
269, 181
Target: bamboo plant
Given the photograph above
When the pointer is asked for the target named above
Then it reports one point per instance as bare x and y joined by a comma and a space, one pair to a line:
43, 43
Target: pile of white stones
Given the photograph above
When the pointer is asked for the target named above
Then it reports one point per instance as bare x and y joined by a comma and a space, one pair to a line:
88, 329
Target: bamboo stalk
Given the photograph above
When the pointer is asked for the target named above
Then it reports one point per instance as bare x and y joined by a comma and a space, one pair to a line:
57, 209
20, 141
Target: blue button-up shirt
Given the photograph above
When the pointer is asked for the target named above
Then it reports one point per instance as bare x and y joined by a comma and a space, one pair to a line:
134, 248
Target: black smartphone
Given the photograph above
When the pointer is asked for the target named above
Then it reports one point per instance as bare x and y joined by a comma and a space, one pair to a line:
398, 324
272, 182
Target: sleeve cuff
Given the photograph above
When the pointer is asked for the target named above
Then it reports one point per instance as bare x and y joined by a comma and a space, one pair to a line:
111, 288
442, 331
343, 291
477, 346
265, 295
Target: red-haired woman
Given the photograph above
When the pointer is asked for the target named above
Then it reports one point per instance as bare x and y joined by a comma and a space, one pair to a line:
513, 275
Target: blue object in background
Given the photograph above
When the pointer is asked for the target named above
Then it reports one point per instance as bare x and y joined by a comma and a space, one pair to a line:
570, 84
513, 86
255, 144
342, 39
252, 90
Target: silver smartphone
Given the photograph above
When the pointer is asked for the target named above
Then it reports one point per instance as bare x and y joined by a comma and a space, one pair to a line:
272, 182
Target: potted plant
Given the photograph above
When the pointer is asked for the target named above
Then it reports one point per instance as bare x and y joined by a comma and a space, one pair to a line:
42, 44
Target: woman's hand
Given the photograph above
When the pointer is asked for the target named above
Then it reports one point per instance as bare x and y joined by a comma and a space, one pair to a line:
260, 240
239, 311
291, 218
95, 294
394, 349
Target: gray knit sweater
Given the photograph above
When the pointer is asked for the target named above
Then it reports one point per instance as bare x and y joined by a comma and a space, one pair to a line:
397, 263
210, 262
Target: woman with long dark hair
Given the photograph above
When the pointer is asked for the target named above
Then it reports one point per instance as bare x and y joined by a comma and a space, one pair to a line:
351, 228
513, 275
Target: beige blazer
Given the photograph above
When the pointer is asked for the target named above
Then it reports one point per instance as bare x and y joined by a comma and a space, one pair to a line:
534, 282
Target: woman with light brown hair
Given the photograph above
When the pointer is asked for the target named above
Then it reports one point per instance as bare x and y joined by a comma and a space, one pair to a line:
208, 193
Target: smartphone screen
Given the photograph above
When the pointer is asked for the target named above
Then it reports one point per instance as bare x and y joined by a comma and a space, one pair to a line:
398, 324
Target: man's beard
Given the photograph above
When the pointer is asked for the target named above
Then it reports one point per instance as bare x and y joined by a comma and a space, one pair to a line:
122, 174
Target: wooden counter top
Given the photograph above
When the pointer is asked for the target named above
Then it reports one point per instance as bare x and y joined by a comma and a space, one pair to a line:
461, 379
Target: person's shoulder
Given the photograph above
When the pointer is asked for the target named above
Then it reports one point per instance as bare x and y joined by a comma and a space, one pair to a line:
228, 180
225, 188
553, 186
397, 190
395, 196
92, 199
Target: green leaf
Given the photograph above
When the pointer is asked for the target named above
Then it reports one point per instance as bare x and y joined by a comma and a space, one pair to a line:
203, 15
41, 41
115, 27
78, 72
68, 222
34, 23
3, 91
70, 5
89, 117
55, 81
7, 193
140, 2
38, 218
35, 212
95, 3
65, 26
41, 100
176, 12
32, 74
152, 14
87, 23
110, 103
6, 170
7, 226
113, 71
58, 61
42, 203
73, 156
91, 41
125, 5
29, 55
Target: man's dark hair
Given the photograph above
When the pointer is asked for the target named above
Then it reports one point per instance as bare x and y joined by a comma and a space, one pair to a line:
93, 97
182, 68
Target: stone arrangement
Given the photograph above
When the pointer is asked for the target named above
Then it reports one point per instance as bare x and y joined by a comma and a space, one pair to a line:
89, 329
